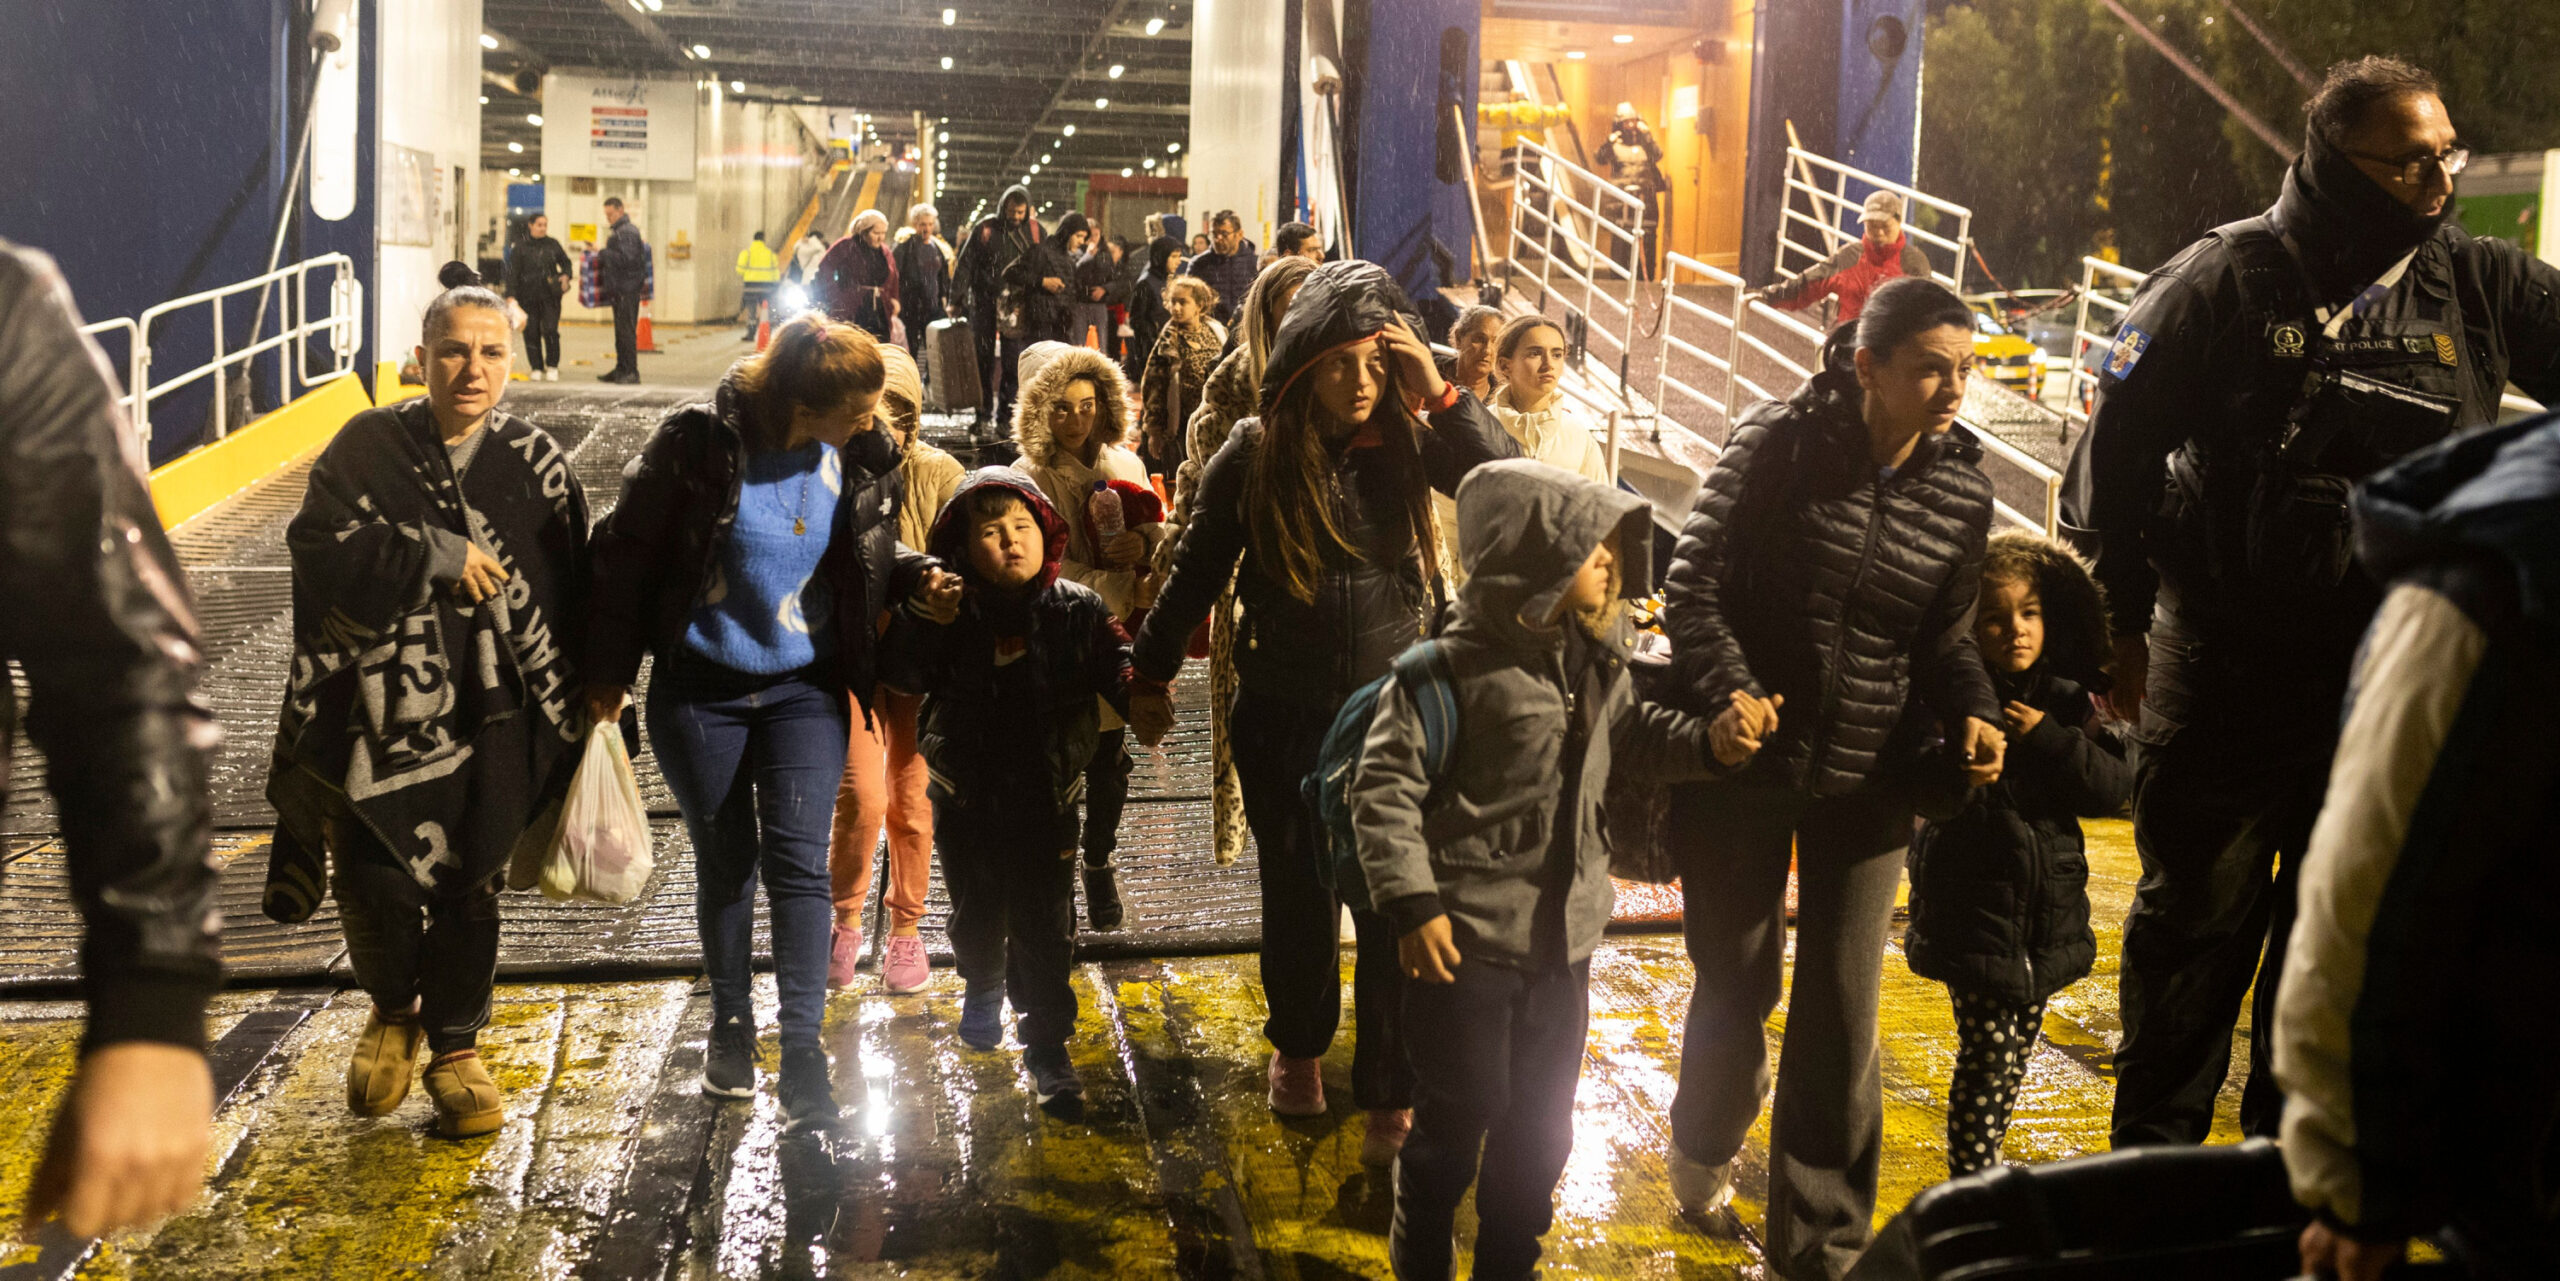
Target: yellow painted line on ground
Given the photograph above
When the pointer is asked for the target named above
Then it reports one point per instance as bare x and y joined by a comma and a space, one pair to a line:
196, 481
869, 196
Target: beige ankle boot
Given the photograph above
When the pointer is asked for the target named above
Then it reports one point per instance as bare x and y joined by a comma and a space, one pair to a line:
385, 1061
467, 1101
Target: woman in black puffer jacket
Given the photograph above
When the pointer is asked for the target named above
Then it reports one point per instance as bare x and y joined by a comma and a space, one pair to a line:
1319, 512
1825, 578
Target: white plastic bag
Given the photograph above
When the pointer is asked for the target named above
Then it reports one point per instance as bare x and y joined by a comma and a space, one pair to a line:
602, 851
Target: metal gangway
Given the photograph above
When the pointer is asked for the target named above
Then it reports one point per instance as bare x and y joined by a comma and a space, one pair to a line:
1666, 366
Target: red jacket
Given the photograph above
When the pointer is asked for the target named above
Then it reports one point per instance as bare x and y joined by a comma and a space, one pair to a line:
1850, 275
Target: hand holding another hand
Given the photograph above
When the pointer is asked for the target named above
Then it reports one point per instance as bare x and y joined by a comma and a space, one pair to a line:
938, 597
1740, 729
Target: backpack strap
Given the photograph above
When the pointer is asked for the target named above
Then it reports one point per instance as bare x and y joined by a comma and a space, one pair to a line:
1423, 673
2276, 305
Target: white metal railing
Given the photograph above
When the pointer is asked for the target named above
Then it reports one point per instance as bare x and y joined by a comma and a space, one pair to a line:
294, 322
1819, 204
132, 356
1549, 191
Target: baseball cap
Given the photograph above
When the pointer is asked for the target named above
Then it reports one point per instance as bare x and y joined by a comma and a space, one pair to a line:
1883, 204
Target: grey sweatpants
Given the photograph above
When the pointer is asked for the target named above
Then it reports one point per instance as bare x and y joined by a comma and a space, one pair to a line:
1826, 1131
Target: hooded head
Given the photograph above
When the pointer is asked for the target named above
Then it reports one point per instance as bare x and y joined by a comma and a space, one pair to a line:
1017, 194
866, 221
1341, 303
1070, 225
1160, 252
1524, 530
2493, 492
950, 537
2076, 644
1046, 370
901, 391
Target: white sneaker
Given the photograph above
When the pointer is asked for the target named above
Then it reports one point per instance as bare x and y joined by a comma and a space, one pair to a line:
1700, 1188
551, 375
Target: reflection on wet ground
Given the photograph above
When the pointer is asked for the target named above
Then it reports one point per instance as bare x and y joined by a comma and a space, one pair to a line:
613, 1165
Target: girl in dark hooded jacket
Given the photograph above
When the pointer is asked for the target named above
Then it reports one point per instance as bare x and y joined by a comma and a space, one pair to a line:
1044, 280
1147, 313
1319, 512
2000, 883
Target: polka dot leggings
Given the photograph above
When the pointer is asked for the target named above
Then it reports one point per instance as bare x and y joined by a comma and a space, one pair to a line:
1994, 1039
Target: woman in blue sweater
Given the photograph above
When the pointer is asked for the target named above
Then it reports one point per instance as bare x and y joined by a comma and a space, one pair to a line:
754, 546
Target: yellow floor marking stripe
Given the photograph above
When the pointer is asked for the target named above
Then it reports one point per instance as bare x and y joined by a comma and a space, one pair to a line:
197, 480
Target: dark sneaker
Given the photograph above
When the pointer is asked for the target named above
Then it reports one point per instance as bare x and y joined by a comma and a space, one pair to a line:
982, 1019
1102, 898
808, 1097
729, 1067
1054, 1081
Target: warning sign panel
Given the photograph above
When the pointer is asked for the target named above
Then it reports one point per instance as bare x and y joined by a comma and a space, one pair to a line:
617, 128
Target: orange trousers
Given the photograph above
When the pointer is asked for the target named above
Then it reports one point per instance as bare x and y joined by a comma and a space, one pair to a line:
884, 785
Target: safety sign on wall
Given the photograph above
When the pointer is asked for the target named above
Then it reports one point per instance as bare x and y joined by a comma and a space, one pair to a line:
617, 127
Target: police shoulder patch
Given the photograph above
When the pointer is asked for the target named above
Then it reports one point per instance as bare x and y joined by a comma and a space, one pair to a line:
2129, 345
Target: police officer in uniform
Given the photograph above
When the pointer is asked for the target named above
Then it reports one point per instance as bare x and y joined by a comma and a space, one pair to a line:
2258, 376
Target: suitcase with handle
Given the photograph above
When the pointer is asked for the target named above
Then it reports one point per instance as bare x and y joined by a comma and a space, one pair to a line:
951, 366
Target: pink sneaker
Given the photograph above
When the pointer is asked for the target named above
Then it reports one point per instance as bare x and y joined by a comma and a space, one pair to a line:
904, 969
844, 956
1297, 1086
1387, 1130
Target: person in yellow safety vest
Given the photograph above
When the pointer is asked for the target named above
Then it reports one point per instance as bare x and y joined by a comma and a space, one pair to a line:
759, 268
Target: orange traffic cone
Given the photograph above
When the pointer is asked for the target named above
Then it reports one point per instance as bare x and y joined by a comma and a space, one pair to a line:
648, 341
764, 325
1093, 337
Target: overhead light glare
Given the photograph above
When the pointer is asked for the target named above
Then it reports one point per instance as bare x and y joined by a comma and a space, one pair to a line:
950, 16
1173, 148
1102, 104
1622, 38
484, 100
1151, 162
656, 5
1155, 26
1069, 131
1116, 70
1044, 157
515, 173
516, 147
533, 120
946, 63
737, 86
1124, 172
944, 136
701, 51
488, 41
1575, 55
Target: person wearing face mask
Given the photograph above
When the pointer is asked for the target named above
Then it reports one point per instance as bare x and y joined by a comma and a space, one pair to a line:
857, 282
2259, 375
753, 552
1820, 607
1317, 510
438, 565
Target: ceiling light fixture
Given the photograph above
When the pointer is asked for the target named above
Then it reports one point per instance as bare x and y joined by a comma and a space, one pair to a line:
516, 147
1155, 26
1575, 55
638, 7
1102, 104
737, 86
944, 136
533, 120
1116, 69
1124, 172
950, 16
1622, 38
515, 173
700, 51
656, 5
484, 100
946, 63
488, 41
1044, 157
1173, 148
1069, 131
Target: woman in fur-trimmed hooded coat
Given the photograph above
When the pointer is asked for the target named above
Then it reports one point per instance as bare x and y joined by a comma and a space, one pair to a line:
1067, 471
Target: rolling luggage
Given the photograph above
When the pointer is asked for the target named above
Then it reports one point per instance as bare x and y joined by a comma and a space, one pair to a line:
951, 367
2199, 1214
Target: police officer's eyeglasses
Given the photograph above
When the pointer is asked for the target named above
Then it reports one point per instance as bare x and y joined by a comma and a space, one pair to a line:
2411, 173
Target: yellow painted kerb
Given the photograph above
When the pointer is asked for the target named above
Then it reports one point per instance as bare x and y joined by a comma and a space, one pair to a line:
187, 487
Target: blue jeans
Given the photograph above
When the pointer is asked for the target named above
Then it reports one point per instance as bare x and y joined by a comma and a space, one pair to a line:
755, 762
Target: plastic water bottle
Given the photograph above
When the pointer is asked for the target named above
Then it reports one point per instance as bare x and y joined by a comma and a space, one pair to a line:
1104, 508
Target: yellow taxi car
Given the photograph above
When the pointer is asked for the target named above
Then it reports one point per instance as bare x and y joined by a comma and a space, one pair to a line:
2007, 356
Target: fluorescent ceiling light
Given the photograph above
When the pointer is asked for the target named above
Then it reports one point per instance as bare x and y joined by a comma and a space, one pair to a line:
1044, 157
1124, 173
1151, 162
488, 41
944, 136
656, 5
1155, 26
1069, 131
1102, 104
513, 173
1116, 69
516, 147
533, 120
701, 51
1576, 54
946, 64
737, 86
1622, 38
950, 16
1173, 148
484, 100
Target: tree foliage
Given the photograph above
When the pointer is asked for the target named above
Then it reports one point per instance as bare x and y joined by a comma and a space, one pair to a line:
2066, 133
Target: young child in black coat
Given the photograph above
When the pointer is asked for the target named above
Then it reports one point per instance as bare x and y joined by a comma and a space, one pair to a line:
1009, 723
2000, 885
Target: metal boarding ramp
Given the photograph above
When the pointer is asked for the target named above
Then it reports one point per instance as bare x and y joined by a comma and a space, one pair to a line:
1665, 367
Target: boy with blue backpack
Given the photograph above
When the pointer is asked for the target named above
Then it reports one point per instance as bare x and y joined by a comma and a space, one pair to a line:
1490, 860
